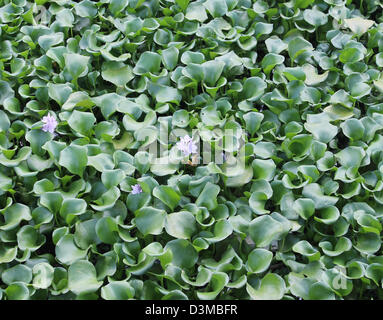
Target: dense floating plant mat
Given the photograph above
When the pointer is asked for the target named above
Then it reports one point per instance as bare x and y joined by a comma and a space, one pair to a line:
209, 149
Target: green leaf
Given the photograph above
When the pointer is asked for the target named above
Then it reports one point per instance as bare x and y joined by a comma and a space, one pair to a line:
208, 196
59, 92
72, 207
375, 272
117, 73
42, 275
358, 25
304, 248
101, 162
86, 9
353, 129
259, 260
322, 131
5, 91
216, 8
315, 193
299, 46
67, 252
164, 93
272, 287
350, 156
37, 138
212, 71
19, 273
270, 60
342, 245
7, 253
82, 122
137, 201
74, 158
328, 215
253, 121
17, 291
181, 225
222, 229
350, 55
184, 254
275, 45
368, 243
264, 169
28, 238
319, 291
117, 290
14, 214
76, 64
117, 6
183, 4
315, 17
82, 277
22, 155
107, 199
49, 40
196, 11
253, 88
112, 178
170, 55
150, 220
107, 230
65, 18
180, 118
41, 216
217, 283
148, 62
167, 195
85, 234
52, 201
264, 229
304, 207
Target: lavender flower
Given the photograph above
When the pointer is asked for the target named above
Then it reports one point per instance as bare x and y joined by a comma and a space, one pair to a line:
187, 146
50, 124
136, 189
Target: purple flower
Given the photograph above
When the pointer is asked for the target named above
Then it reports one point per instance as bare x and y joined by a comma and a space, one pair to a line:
187, 146
136, 189
50, 124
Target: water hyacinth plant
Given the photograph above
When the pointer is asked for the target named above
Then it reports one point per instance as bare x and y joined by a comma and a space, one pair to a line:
50, 124
136, 189
176, 149
187, 146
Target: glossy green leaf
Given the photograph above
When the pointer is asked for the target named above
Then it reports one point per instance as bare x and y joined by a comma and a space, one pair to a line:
272, 287
150, 220
82, 277
184, 254
74, 158
259, 260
